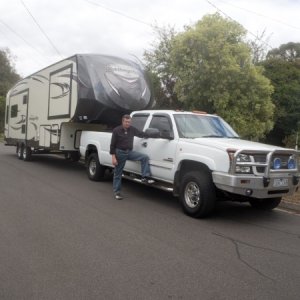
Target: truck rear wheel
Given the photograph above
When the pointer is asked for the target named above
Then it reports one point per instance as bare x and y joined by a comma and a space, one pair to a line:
265, 204
197, 194
94, 169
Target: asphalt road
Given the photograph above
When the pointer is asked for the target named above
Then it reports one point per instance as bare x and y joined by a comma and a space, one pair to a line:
65, 237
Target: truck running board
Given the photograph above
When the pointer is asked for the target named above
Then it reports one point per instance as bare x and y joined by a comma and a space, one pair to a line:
157, 184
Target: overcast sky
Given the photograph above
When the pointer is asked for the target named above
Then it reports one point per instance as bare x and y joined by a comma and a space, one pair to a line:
41, 32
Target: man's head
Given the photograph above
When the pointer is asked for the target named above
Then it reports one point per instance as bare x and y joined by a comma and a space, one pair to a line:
126, 121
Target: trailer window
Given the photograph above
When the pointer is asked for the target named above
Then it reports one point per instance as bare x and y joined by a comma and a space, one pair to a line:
7, 109
14, 111
25, 99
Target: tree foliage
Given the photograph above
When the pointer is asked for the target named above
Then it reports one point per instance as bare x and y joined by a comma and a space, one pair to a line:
259, 47
8, 77
159, 66
286, 52
282, 67
211, 69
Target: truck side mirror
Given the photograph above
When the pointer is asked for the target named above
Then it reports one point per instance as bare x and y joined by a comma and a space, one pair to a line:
166, 134
152, 133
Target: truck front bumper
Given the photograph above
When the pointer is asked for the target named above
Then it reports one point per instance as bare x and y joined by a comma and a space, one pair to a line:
277, 185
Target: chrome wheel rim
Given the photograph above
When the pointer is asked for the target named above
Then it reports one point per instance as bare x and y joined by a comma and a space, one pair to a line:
192, 194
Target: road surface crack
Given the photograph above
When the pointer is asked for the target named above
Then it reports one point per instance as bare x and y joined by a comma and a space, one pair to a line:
236, 244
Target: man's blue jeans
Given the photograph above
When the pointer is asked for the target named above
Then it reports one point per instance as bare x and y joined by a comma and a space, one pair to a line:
122, 156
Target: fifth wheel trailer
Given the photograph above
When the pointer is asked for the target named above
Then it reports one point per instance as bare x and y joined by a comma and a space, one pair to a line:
47, 111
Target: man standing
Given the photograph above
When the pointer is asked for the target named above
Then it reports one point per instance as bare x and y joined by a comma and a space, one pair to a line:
121, 150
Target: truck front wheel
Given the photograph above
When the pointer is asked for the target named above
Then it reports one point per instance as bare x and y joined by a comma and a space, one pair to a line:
265, 204
197, 194
94, 169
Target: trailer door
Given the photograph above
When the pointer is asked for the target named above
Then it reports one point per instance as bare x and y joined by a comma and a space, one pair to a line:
18, 115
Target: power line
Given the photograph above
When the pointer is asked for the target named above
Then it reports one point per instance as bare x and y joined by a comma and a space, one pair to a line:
119, 13
260, 15
43, 32
19, 36
259, 38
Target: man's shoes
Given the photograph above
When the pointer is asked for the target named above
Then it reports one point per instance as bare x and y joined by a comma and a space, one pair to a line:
147, 180
118, 196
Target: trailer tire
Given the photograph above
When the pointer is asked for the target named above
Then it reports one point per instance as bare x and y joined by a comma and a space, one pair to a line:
95, 170
265, 204
198, 194
27, 153
20, 151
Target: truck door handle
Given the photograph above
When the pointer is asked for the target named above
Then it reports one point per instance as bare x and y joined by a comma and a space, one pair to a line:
144, 144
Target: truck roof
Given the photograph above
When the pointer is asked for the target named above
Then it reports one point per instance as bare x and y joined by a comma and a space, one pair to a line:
173, 112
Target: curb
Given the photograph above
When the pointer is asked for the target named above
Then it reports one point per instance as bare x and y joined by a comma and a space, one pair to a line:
290, 205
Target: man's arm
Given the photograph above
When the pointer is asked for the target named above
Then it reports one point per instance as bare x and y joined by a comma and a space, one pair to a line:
139, 133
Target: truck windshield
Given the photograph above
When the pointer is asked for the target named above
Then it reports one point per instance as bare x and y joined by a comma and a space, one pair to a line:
203, 126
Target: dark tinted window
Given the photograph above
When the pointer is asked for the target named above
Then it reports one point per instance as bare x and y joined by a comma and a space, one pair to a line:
14, 111
139, 121
162, 123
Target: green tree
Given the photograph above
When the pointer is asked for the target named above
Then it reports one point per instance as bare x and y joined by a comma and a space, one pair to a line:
159, 67
286, 52
282, 67
8, 77
211, 68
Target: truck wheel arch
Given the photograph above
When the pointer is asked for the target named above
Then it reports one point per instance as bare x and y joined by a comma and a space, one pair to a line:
185, 167
89, 150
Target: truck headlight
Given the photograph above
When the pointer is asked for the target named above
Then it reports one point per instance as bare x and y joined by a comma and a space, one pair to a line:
240, 159
243, 169
243, 158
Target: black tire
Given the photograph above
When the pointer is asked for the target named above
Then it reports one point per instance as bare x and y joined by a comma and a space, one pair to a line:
198, 194
20, 151
265, 204
27, 153
94, 169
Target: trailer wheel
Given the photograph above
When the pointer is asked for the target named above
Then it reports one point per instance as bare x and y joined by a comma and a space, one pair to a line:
94, 169
197, 194
20, 151
27, 153
265, 204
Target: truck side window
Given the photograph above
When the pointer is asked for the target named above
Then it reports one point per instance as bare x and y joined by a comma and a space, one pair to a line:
139, 121
161, 123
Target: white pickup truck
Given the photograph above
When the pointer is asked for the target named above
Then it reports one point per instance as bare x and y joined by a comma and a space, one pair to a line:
201, 159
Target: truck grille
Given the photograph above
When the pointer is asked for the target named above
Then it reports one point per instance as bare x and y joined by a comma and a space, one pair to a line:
265, 162
284, 159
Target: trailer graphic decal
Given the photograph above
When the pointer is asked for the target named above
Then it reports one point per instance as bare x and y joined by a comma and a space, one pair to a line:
65, 89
